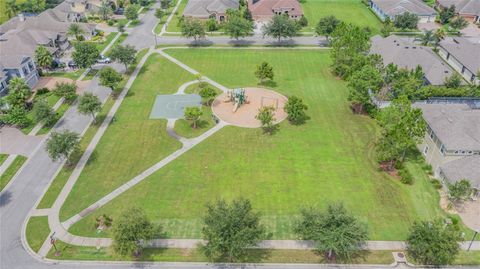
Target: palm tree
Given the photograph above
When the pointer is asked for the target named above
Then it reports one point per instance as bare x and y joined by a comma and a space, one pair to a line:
75, 30
11, 8
43, 57
427, 38
104, 10
439, 36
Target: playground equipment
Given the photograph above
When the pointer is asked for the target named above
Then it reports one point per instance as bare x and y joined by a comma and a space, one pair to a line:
238, 97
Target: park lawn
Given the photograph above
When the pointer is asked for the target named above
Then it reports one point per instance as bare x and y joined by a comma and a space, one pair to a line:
173, 25
11, 171
37, 232
132, 142
350, 11
329, 159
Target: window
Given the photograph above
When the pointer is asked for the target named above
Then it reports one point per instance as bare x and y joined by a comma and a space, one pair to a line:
442, 150
425, 150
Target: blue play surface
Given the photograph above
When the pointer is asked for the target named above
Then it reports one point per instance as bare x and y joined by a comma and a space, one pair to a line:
172, 106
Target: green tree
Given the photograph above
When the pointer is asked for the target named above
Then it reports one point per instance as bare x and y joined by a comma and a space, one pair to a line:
193, 28
459, 23
193, 114
403, 128
130, 230
208, 93
66, 90
439, 35
454, 81
159, 13
247, 15
11, 8
427, 38
406, 21
279, 27
123, 54
164, 4
211, 25
302, 22
75, 30
43, 57
266, 117
131, 12
326, 26
89, 104
121, 27
230, 229
295, 109
18, 92
104, 10
335, 232
459, 190
110, 78
86, 54
60, 145
446, 14
237, 27
17, 115
367, 80
264, 71
347, 42
42, 112
433, 243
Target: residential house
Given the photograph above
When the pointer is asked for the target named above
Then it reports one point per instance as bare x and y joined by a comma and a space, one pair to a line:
264, 10
205, 9
469, 9
393, 8
452, 141
406, 54
463, 54
21, 35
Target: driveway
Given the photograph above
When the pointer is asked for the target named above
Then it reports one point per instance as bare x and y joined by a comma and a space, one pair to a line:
471, 30
13, 141
469, 211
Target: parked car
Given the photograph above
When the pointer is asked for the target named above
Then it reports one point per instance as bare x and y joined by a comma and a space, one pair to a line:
103, 60
118, 11
72, 64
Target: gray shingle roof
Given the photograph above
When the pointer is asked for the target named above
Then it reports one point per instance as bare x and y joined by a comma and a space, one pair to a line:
464, 7
456, 125
204, 8
465, 50
405, 54
465, 168
397, 7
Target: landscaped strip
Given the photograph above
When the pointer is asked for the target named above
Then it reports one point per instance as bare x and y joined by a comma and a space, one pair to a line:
37, 232
11, 171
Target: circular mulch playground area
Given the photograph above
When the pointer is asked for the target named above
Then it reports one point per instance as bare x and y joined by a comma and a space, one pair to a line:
223, 108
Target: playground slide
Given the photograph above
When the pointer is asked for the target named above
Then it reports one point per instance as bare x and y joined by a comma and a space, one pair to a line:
235, 107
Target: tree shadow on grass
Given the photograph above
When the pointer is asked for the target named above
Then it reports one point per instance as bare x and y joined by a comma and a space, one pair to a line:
268, 83
356, 257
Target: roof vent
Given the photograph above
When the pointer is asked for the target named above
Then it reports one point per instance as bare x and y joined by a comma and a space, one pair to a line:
414, 47
406, 47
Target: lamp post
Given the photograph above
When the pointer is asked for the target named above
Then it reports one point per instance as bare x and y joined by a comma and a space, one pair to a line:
473, 239
53, 239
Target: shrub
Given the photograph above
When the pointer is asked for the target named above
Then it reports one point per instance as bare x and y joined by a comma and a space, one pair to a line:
406, 177
436, 184
43, 90
111, 22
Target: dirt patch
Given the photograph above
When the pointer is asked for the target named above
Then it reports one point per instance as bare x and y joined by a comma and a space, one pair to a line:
50, 82
244, 116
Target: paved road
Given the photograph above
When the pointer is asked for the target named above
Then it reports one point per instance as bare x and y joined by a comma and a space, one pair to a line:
141, 36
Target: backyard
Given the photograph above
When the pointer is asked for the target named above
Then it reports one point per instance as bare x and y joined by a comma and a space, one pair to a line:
329, 159
351, 11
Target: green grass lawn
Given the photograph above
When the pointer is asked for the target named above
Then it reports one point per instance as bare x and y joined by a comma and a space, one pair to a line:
3, 157
173, 25
37, 232
73, 75
351, 11
132, 142
102, 45
51, 100
330, 158
11, 171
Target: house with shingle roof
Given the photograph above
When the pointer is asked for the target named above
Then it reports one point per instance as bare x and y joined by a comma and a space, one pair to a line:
469, 9
399, 51
452, 141
393, 8
264, 10
463, 54
205, 9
